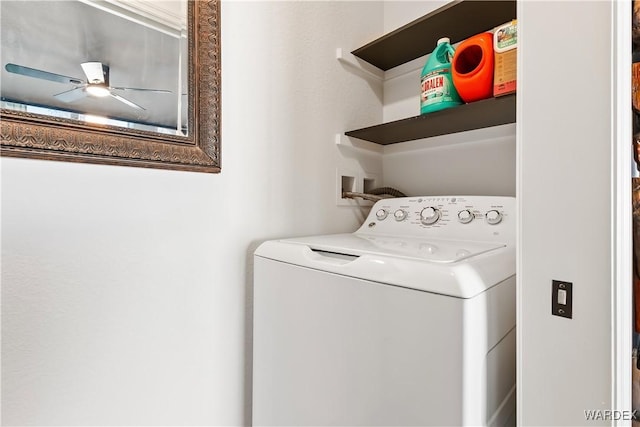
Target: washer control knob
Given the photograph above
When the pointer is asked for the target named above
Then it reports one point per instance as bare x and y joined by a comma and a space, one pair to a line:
493, 217
400, 215
465, 216
429, 216
381, 214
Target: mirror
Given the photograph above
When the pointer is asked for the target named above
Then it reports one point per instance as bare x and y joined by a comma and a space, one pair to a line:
118, 82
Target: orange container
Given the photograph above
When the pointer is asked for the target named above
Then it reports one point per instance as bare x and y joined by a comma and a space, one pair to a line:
472, 68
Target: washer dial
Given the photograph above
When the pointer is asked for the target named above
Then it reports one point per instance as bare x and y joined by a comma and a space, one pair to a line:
493, 217
381, 214
465, 216
400, 215
429, 216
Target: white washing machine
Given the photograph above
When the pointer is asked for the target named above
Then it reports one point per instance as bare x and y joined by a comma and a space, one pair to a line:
408, 321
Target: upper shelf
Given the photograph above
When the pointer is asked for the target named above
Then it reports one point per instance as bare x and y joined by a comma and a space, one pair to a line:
476, 115
458, 20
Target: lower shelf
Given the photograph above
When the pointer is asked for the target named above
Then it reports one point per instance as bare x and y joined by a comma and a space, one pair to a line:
476, 115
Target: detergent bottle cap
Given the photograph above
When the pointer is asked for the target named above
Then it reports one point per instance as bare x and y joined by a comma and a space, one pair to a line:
443, 40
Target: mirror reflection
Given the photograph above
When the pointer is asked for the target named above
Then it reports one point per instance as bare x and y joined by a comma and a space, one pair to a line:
120, 63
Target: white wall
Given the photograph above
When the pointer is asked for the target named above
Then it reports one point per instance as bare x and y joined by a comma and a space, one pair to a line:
480, 162
565, 195
126, 293
400, 12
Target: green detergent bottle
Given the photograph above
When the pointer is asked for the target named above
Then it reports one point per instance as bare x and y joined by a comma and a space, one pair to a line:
438, 91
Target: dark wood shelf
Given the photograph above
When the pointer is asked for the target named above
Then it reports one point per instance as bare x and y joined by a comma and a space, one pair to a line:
457, 20
476, 115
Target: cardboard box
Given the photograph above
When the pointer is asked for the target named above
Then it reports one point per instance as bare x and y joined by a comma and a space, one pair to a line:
505, 43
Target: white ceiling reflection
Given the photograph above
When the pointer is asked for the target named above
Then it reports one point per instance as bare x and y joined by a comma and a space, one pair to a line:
142, 43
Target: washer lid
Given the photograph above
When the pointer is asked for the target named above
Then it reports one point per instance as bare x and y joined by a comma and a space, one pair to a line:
431, 250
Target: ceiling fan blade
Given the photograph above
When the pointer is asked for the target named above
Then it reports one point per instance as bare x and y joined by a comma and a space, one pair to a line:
71, 95
96, 72
39, 74
140, 89
126, 101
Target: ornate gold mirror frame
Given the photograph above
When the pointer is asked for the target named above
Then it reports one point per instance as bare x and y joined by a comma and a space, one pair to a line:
41, 137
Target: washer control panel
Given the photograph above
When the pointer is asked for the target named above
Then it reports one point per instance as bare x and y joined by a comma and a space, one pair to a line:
464, 217
400, 214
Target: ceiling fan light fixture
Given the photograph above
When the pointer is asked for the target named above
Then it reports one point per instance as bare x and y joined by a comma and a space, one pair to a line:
98, 90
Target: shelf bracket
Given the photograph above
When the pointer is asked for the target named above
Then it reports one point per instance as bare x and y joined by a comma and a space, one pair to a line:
366, 69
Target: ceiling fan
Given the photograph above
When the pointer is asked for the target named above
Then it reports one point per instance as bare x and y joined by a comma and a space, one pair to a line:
97, 83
